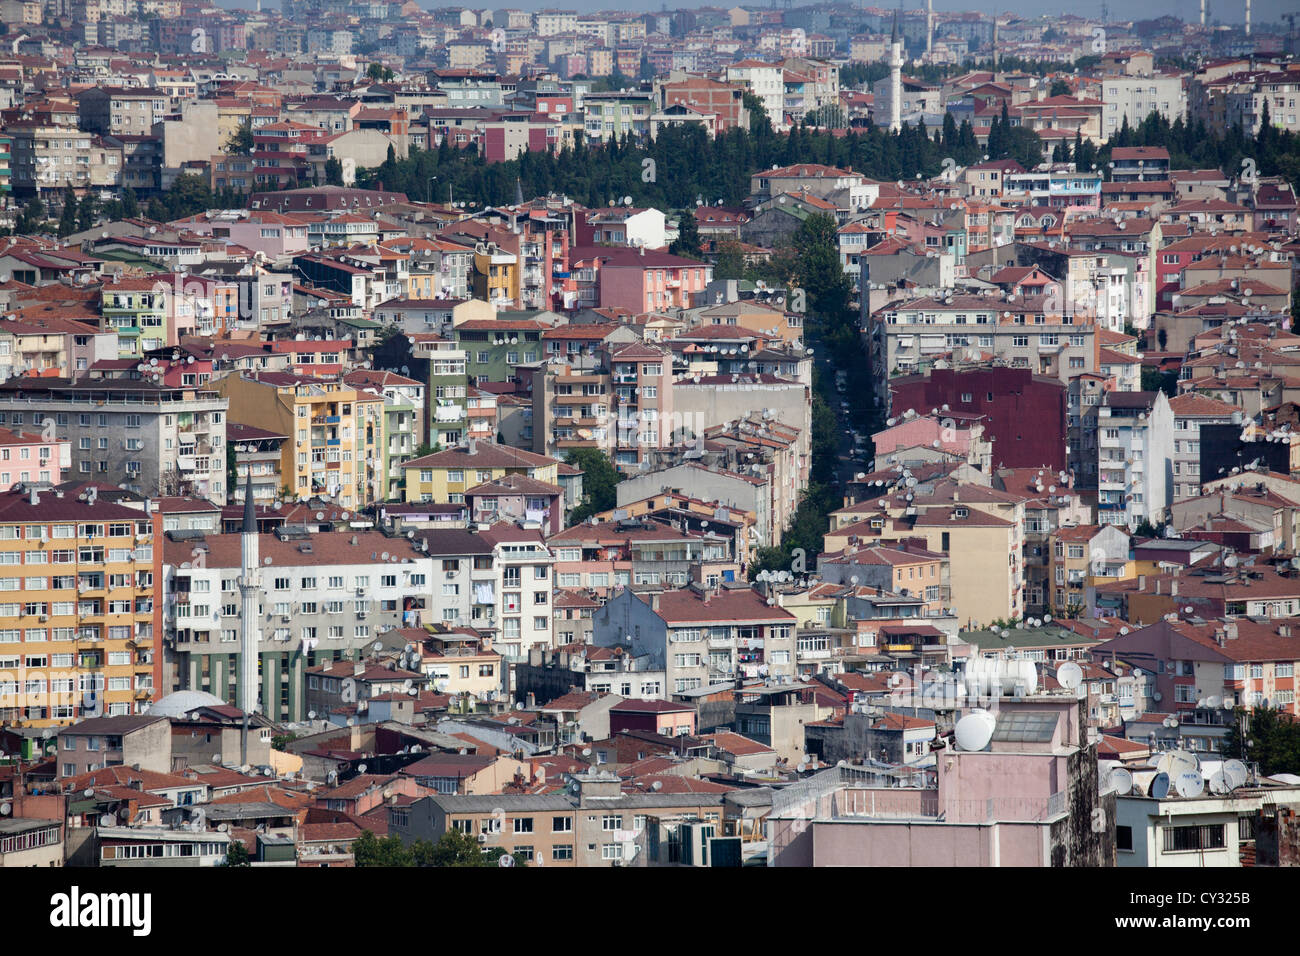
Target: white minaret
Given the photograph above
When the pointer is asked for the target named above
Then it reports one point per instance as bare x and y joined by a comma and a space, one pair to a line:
895, 79
1202, 12
1247, 17
929, 27
250, 633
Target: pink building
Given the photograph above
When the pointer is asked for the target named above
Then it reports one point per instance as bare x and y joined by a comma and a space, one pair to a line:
656, 716
31, 457
637, 280
1027, 799
263, 231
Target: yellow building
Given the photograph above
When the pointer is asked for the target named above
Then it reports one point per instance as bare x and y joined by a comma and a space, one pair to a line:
76, 618
231, 115
1085, 556
445, 476
496, 275
336, 432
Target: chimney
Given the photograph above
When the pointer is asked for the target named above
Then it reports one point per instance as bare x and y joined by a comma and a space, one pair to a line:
1224, 506
1230, 630
1173, 588
654, 603
35, 498
1142, 583
532, 700
1284, 630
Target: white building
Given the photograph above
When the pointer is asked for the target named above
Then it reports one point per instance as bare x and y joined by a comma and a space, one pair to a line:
1135, 450
1181, 831
764, 80
1191, 411
1136, 97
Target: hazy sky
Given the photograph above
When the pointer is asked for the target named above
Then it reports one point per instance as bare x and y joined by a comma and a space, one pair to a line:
1226, 11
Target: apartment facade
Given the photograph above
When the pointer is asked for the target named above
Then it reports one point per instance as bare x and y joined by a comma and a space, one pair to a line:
336, 432
76, 621
325, 597
152, 438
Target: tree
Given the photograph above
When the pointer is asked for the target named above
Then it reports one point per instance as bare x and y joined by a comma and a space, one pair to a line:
31, 219
130, 205
687, 242
1023, 145
370, 850
379, 73
1059, 88
1266, 736
68, 220
598, 480
240, 142
821, 273
729, 261
237, 854
456, 849
333, 172
86, 212
188, 195
758, 118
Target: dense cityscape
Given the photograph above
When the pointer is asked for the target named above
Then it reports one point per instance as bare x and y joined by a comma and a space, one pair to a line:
777, 436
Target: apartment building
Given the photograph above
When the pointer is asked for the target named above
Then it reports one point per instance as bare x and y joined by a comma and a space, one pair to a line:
117, 111
1190, 411
597, 824
32, 457
700, 636
764, 80
1081, 556
496, 579
325, 597
615, 115
336, 431
621, 402
150, 437
76, 625
47, 158
610, 555
1030, 332
404, 417
1136, 97
445, 476
1135, 448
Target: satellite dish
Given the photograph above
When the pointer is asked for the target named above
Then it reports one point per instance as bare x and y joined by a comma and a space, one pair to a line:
1189, 783
1236, 774
1160, 786
1121, 781
1070, 675
1218, 783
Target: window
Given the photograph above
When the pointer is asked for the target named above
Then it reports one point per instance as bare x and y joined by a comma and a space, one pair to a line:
611, 821
1182, 839
523, 824
1123, 838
